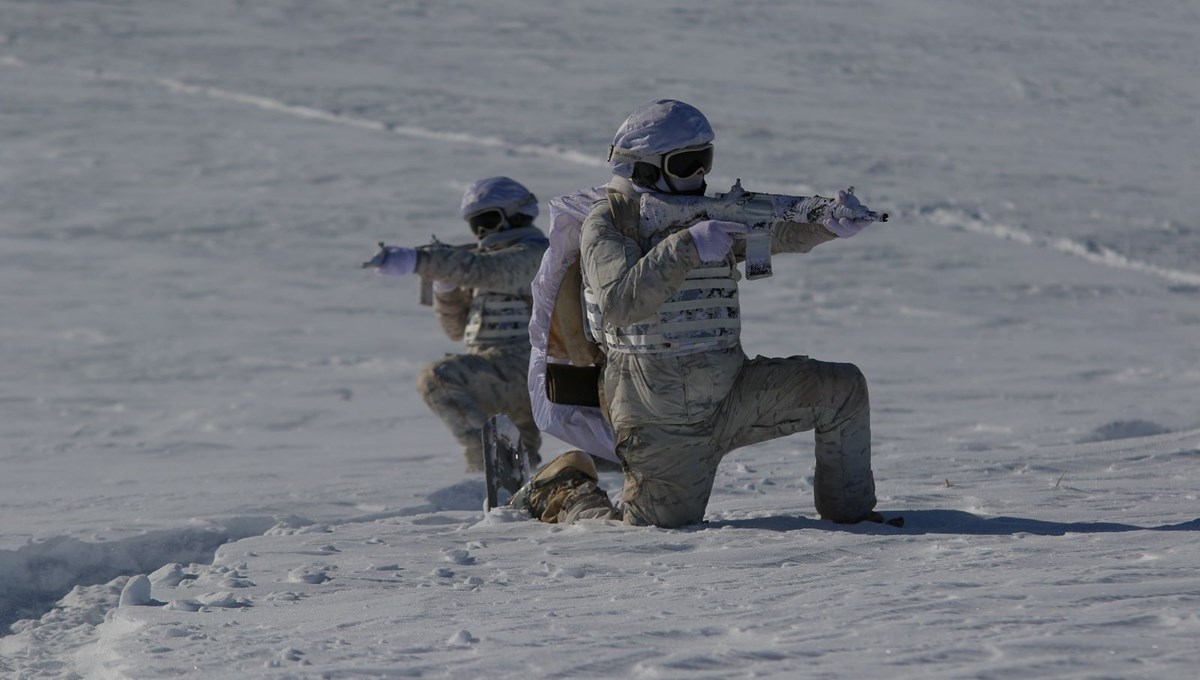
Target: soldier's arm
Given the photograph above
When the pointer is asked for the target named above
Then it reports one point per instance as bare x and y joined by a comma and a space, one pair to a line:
450, 308
631, 285
508, 270
798, 237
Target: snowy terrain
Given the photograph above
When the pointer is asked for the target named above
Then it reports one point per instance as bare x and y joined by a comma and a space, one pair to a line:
198, 384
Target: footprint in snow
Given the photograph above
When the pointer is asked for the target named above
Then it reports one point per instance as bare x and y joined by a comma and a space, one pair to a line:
459, 557
223, 600
462, 638
311, 573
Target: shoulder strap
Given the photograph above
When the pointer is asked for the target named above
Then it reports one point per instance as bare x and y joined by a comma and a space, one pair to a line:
626, 212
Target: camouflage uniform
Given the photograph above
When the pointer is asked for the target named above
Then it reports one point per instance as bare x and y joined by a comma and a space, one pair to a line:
489, 310
661, 299
679, 389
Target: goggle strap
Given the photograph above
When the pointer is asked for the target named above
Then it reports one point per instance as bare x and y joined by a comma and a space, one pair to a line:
615, 152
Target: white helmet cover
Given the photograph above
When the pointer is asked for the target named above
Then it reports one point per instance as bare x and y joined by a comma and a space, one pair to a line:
659, 127
506, 194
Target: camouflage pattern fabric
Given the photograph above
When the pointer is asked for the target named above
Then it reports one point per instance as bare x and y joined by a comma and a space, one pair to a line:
670, 468
464, 390
586, 501
492, 279
677, 416
565, 491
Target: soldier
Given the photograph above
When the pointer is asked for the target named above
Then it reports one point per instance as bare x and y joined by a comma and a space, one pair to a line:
482, 297
678, 390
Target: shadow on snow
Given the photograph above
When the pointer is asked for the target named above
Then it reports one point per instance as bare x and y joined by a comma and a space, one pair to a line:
948, 522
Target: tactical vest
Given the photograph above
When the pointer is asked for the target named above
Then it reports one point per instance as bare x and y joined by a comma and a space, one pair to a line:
497, 319
703, 315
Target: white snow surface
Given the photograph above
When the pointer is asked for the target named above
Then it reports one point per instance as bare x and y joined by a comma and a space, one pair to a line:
206, 405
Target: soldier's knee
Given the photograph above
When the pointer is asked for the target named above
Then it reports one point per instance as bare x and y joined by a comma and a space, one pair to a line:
427, 381
665, 515
437, 376
853, 375
633, 519
852, 385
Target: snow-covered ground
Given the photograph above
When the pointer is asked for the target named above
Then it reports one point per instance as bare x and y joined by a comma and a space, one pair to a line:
198, 383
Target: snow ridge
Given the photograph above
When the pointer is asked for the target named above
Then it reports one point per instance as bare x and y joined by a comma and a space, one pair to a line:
1092, 252
39, 574
311, 113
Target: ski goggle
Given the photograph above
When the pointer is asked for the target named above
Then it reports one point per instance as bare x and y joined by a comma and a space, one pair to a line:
679, 164
685, 163
487, 221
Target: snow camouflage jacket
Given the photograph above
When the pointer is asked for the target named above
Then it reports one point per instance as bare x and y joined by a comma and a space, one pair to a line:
582, 426
630, 280
491, 306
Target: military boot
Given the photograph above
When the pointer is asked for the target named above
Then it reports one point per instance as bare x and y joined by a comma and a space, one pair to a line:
566, 482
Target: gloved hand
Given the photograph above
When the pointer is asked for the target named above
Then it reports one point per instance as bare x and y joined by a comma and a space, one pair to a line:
714, 238
444, 287
393, 260
849, 215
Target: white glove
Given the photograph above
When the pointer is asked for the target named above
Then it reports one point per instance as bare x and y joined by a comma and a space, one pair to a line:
714, 238
444, 287
849, 215
845, 227
393, 260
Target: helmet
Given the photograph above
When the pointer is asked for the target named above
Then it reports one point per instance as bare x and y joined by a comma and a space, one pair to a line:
666, 140
497, 203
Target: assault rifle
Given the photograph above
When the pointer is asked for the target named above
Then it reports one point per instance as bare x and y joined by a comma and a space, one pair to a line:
426, 295
760, 212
